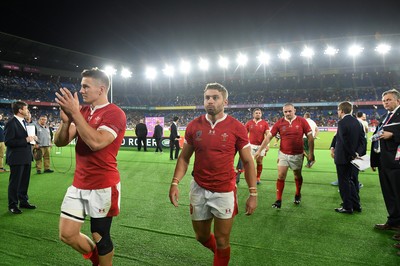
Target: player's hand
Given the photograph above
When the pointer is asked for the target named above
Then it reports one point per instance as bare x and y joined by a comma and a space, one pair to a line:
257, 154
311, 157
174, 195
251, 205
267, 149
68, 102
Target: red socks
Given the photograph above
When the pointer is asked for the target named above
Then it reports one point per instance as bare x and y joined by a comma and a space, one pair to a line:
280, 185
299, 182
222, 257
93, 256
259, 170
211, 244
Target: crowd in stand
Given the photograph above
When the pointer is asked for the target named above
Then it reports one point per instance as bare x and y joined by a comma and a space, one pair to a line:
310, 89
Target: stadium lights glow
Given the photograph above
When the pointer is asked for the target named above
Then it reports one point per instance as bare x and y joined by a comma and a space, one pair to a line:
241, 59
126, 73
223, 62
284, 55
151, 73
331, 51
355, 50
203, 64
383, 48
185, 67
169, 71
263, 58
307, 53
110, 70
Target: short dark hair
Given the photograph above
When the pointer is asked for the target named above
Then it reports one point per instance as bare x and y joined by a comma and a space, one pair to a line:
97, 74
359, 114
175, 118
257, 109
346, 107
15, 106
218, 87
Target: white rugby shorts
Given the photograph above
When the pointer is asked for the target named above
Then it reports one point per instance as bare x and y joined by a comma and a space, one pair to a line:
295, 162
255, 148
205, 204
96, 203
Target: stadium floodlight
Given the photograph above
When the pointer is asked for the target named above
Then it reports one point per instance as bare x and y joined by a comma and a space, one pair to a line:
307, 52
203, 64
263, 58
223, 62
383, 48
242, 59
355, 50
126, 73
168, 71
185, 67
110, 71
151, 73
284, 55
331, 51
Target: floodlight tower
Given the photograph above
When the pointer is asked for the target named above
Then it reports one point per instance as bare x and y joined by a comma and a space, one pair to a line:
354, 51
284, 55
383, 49
307, 53
110, 71
241, 60
330, 51
151, 74
204, 65
185, 68
223, 62
169, 71
263, 59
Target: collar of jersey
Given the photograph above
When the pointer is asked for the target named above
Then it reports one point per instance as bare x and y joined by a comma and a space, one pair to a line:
216, 122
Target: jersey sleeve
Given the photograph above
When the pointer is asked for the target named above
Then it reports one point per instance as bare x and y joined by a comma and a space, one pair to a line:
242, 137
306, 127
188, 134
114, 119
274, 129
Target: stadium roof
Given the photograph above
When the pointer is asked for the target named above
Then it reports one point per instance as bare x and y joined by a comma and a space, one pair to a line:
22, 51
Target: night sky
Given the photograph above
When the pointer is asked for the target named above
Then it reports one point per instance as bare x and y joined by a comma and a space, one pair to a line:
140, 31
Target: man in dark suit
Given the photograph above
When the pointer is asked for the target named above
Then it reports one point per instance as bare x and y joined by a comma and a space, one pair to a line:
174, 139
158, 133
350, 144
141, 133
384, 157
19, 158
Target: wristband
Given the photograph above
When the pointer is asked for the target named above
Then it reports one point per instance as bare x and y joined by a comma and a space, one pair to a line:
254, 194
174, 184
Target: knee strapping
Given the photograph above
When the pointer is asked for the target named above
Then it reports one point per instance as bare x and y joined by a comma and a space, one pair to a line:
105, 245
102, 226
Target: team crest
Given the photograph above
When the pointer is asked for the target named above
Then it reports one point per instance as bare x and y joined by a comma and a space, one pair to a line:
224, 137
97, 119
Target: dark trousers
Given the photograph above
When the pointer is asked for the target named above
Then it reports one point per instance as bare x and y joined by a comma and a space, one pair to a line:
158, 143
139, 145
390, 185
18, 184
174, 144
347, 188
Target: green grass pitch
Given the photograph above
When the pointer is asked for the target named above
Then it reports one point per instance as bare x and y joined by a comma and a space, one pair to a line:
150, 231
